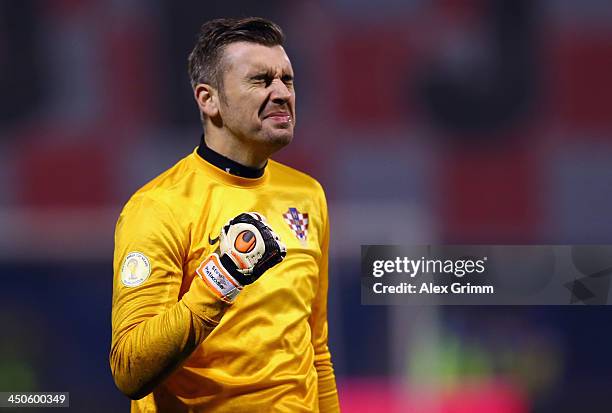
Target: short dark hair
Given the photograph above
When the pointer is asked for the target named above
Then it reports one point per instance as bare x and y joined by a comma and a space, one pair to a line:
204, 63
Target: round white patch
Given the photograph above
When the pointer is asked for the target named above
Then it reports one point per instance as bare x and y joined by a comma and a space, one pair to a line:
135, 269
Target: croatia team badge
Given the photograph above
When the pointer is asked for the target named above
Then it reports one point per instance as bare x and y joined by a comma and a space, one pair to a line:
298, 222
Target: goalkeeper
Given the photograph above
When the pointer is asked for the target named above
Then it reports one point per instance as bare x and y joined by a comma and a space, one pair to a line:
220, 264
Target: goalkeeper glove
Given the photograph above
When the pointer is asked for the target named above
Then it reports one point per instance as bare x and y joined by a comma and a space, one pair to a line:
247, 248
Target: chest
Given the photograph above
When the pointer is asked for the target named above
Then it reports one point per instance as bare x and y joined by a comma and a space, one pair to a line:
292, 215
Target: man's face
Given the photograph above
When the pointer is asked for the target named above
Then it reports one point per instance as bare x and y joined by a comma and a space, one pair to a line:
257, 99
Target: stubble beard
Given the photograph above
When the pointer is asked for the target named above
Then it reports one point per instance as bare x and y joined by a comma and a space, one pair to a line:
272, 139
278, 138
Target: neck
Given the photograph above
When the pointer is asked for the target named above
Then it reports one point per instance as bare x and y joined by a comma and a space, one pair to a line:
226, 164
232, 149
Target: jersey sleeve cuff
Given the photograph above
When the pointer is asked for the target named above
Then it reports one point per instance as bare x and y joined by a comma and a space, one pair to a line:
204, 303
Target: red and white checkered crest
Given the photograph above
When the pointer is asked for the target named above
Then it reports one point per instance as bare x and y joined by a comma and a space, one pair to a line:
298, 222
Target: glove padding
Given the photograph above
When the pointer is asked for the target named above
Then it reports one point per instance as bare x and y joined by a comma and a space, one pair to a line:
248, 247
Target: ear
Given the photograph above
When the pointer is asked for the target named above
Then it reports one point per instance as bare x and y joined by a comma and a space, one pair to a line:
208, 99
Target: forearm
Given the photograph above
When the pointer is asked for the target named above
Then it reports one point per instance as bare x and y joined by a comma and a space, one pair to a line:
142, 357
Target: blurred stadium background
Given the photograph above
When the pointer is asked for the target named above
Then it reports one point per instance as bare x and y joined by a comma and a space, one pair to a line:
466, 121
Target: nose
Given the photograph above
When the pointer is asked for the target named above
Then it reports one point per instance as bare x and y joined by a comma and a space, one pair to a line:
280, 93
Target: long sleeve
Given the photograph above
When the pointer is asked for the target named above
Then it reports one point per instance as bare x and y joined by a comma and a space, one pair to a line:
152, 331
328, 394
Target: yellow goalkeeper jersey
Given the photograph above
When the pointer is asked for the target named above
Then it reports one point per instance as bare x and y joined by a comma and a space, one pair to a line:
177, 347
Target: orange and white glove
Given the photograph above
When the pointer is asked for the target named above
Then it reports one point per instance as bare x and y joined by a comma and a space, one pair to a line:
248, 247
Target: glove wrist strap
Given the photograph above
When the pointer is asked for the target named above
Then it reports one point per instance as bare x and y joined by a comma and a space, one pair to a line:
218, 278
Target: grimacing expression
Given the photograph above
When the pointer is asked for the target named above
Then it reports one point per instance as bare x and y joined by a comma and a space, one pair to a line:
257, 98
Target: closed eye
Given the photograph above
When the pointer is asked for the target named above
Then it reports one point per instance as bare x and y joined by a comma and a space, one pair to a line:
262, 78
268, 78
287, 79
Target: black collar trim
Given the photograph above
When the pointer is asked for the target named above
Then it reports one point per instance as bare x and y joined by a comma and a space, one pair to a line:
226, 164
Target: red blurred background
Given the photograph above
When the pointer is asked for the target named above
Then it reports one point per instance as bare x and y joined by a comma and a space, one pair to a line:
466, 121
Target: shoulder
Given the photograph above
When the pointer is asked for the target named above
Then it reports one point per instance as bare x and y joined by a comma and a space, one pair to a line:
284, 174
164, 192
